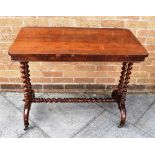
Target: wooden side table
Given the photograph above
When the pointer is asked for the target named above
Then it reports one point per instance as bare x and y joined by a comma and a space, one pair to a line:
76, 44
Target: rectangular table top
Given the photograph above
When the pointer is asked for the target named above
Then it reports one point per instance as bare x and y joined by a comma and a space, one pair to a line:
76, 44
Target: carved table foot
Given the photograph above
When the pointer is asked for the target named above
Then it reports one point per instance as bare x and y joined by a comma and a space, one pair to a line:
26, 116
122, 114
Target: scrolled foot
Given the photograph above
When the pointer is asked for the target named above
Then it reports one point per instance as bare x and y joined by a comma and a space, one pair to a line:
121, 125
26, 116
123, 117
26, 127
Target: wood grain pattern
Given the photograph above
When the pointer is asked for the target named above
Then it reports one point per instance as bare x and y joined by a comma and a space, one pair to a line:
76, 44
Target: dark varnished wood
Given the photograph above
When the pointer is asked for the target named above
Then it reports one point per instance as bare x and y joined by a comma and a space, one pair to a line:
121, 100
76, 44
120, 93
28, 92
73, 100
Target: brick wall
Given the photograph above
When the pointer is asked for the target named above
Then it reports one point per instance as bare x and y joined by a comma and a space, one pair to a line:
85, 75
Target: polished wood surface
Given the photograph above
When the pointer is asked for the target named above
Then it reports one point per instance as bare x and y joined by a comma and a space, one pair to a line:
76, 44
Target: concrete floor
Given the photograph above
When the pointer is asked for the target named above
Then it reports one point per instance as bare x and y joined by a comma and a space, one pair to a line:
77, 120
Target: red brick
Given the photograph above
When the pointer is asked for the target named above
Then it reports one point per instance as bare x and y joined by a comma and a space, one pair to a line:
15, 80
5, 30
84, 80
87, 23
150, 47
52, 74
36, 74
79, 72
63, 67
41, 80
152, 75
148, 68
36, 21
96, 74
151, 41
62, 80
149, 18
153, 63
105, 80
74, 74
148, 81
142, 39
4, 80
140, 74
6, 73
15, 30
145, 33
136, 24
11, 21
13, 67
151, 25
107, 68
84, 68
7, 38
112, 23
128, 17
152, 55
4, 46
3, 67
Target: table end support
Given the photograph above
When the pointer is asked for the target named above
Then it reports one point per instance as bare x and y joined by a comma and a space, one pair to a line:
120, 93
28, 92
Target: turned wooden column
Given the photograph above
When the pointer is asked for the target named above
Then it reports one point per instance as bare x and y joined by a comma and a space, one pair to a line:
122, 78
28, 92
116, 93
122, 90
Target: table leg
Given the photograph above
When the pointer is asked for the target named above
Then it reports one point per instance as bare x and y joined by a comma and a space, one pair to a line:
28, 92
120, 93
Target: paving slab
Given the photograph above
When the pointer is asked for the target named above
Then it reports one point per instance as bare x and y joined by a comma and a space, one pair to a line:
106, 126
147, 121
17, 98
77, 120
63, 119
34, 133
11, 120
63, 95
136, 105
